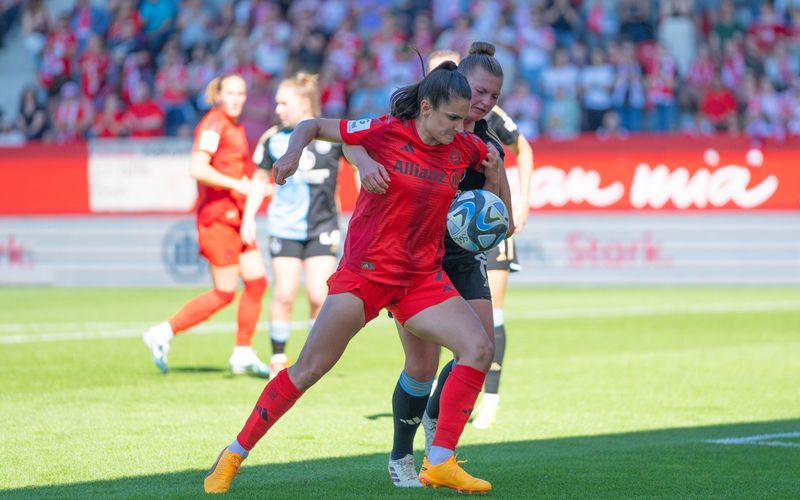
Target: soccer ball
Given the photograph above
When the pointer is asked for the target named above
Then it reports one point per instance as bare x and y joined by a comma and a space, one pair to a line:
477, 220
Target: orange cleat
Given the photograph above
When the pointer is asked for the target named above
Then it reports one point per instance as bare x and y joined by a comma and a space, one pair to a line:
220, 477
449, 474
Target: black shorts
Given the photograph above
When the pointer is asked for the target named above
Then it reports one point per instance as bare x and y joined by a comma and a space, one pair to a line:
503, 257
325, 244
469, 276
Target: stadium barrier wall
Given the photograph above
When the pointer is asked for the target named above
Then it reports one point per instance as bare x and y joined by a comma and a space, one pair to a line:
645, 210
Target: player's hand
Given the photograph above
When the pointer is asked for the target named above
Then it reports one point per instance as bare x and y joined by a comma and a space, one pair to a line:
242, 186
492, 165
286, 166
374, 177
248, 231
521, 216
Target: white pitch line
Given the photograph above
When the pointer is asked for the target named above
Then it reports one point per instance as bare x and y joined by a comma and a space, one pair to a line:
43, 332
761, 440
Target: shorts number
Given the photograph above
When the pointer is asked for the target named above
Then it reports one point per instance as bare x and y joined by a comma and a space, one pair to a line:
481, 258
331, 238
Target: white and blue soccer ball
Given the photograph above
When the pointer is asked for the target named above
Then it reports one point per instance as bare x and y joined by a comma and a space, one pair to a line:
477, 220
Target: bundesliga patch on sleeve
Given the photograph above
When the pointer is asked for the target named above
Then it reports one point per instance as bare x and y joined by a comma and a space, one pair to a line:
209, 141
358, 125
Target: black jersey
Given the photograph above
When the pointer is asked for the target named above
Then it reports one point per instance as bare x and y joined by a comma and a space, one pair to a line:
471, 180
305, 206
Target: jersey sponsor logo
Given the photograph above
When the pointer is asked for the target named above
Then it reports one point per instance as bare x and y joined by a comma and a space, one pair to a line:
420, 172
180, 253
209, 141
354, 126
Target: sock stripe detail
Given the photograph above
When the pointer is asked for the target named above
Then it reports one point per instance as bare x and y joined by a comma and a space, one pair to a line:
415, 387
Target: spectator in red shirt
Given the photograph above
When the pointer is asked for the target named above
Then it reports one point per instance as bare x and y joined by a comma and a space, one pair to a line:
718, 106
59, 49
144, 117
125, 32
73, 114
767, 29
110, 122
93, 65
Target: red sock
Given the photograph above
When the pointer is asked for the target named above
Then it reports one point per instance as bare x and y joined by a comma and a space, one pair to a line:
199, 309
277, 397
250, 310
458, 398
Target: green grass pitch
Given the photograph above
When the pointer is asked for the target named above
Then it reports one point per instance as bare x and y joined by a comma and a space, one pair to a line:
606, 393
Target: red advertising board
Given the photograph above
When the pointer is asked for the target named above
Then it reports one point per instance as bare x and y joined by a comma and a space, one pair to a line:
44, 179
650, 173
665, 173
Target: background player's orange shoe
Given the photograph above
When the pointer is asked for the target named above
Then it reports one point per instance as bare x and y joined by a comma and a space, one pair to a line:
449, 474
220, 477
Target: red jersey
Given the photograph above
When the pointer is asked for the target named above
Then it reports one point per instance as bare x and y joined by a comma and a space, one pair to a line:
225, 141
146, 110
397, 238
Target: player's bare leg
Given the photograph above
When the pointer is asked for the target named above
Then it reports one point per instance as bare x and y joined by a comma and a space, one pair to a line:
253, 273
286, 276
341, 317
454, 324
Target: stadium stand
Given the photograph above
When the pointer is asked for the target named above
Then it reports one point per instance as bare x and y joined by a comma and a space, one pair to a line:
611, 67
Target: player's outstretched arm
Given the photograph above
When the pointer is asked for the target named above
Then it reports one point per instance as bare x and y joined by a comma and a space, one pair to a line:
306, 131
372, 175
258, 191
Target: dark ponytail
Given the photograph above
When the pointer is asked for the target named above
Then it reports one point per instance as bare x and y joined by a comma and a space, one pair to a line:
438, 87
481, 55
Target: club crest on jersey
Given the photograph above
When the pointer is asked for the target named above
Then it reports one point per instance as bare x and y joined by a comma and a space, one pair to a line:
358, 125
455, 156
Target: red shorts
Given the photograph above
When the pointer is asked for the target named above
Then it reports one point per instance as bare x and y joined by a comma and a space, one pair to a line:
221, 244
402, 301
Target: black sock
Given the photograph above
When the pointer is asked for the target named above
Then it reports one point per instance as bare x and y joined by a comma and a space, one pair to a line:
493, 377
408, 404
433, 403
278, 347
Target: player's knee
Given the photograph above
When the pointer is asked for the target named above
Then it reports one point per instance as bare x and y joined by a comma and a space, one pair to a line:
256, 287
224, 297
479, 353
316, 298
421, 367
283, 297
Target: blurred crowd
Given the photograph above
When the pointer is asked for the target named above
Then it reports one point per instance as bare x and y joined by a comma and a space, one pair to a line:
137, 68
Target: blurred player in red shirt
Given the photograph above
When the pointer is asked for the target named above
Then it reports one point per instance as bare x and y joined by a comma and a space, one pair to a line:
393, 259
222, 166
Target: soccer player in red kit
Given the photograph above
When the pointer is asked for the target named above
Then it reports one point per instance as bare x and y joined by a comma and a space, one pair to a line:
392, 259
221, 164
